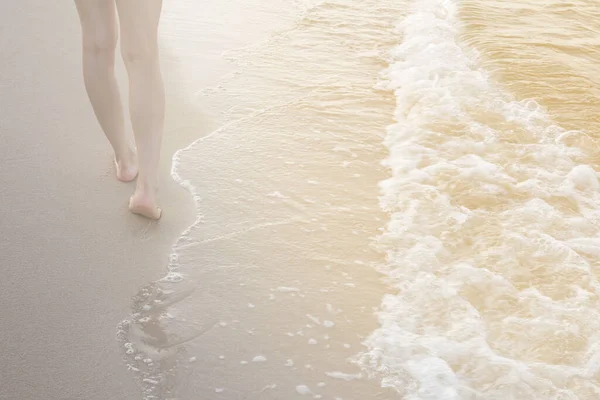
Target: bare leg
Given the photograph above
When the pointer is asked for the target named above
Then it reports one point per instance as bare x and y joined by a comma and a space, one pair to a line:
139, 44
99, 32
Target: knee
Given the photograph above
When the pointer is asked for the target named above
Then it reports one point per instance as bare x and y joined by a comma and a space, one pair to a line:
100, 43
139, 54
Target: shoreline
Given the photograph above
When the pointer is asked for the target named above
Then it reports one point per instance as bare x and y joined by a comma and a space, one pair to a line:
271, 262
76, 256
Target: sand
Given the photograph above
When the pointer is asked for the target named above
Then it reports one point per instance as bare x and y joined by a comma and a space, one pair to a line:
71, 254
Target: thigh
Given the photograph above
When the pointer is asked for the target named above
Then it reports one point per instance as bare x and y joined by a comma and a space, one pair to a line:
98, 22
139, 25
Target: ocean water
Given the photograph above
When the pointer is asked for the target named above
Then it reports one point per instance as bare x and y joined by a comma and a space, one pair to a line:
401, 202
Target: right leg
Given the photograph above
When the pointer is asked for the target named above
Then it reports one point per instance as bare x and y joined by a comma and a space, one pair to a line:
99, 32
139, 21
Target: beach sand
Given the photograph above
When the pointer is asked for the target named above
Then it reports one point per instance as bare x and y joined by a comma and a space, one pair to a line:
70, 252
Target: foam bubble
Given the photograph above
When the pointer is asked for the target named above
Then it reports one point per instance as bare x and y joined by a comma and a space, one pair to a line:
303, 390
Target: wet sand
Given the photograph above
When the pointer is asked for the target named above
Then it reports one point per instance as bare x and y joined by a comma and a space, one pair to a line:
273, 289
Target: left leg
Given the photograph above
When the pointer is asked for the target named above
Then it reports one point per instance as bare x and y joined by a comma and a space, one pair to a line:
99, 38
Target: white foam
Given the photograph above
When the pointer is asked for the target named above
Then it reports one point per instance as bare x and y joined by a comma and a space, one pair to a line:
495, 297
343, 376
314, 319
285, 289
303, 390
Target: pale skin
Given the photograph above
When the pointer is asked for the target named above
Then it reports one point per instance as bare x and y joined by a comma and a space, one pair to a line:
137, 22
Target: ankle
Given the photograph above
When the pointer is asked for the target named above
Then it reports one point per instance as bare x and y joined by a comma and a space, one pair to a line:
126, 156
145, 186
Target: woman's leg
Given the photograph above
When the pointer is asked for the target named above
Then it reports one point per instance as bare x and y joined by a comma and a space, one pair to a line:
139, 46
99, 32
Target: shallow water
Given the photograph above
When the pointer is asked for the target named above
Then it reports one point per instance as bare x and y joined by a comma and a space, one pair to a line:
401, 202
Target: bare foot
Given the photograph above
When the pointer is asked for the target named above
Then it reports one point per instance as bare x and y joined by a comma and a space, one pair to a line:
127, 168
145, 205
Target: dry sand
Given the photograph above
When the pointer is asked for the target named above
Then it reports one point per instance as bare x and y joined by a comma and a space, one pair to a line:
71, 255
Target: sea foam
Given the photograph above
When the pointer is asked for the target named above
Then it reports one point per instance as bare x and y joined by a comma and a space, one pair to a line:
493, 233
